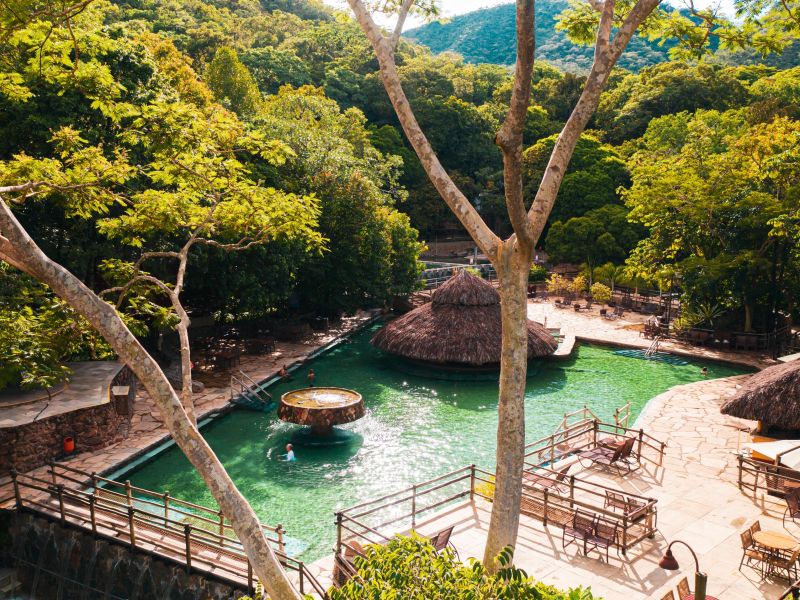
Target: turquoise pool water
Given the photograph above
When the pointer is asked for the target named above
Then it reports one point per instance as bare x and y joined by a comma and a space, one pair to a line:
415, 428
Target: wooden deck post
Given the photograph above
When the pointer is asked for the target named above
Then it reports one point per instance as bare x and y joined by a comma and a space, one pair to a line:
166, 509
221, 528
92, 516
740, 460
544, 510
338, 532
60, 490
187, 536
572, 491
52, 465
594, 431
132, 525
250, 588
17, 495
413, 506
302, 586
281, 541
641, 438
471, 482
128, 492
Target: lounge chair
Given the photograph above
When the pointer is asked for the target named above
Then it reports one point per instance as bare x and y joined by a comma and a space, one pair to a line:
603, 536
607, 457
344, 567
792, 505
578, 529
546, 482
750, 553
441, 540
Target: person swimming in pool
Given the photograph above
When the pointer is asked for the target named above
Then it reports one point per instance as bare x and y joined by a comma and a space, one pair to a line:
289, 456
704, 371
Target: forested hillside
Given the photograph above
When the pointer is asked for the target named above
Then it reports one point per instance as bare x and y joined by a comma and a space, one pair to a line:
296, 82
487, 36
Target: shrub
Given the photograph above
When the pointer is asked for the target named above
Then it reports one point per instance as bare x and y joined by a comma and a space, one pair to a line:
538, 273
600, 293
409, 567
557, 284
579, 285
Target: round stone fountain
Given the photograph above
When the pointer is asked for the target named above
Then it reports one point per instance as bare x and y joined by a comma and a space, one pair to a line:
319, 409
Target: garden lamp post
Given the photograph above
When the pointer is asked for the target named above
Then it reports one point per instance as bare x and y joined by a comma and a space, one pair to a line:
669, 563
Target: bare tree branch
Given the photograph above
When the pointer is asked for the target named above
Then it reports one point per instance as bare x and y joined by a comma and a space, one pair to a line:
462, 208
401, 21
509, 138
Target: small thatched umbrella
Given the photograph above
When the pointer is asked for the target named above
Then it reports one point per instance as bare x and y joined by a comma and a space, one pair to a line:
460, 326
771, 396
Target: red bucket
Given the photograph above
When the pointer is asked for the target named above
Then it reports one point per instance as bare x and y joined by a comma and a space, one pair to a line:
69, 445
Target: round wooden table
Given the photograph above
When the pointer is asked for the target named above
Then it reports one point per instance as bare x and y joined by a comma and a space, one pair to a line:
775, 540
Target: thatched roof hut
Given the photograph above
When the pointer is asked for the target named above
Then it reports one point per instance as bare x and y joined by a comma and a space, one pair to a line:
460, 326
771, 396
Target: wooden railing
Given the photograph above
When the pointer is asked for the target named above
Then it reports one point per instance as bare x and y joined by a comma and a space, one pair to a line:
584, 435
774, 479
153, 523
377, 521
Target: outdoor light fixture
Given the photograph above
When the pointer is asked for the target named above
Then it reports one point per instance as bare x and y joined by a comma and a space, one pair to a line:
669, 563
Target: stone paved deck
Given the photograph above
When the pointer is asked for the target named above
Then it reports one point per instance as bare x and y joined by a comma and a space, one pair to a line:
88, 386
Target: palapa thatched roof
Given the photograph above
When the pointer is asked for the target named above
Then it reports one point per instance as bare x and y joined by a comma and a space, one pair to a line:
771, 396
461, 325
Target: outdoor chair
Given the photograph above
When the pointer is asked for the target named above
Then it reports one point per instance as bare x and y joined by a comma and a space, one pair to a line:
670, 595
750, 553
608, 457
787, 563
792, 505
547, 482
683, 589
578, 529
441, 540
603, 536
633, 508
755, 527
344, 567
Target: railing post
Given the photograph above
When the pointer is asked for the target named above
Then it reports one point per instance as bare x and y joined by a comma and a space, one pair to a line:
17, 495
281, 542
187, 536
132, 525
544, 512
338, 532
221, 528
92, 516
740, 460
166, 509
52, 465
471, 483
302, 587
60, 490
641, 438
250, 578
594, 431
413, 506
624, 534
128, 492
571, 491
94, 482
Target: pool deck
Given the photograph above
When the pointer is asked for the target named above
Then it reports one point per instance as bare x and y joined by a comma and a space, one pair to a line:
698, 502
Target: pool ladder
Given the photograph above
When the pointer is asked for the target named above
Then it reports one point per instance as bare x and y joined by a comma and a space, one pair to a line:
653, 349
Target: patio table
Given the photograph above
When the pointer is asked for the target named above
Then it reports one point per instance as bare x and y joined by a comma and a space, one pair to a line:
775, 540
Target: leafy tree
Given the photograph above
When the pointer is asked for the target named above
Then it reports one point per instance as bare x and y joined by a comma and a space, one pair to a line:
232, 84
409, 567
716, 195
600, 293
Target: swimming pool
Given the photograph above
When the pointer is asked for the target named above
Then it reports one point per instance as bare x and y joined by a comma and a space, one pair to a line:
415, 428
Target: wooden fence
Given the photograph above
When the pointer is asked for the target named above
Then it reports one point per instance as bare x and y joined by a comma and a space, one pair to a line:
197, 537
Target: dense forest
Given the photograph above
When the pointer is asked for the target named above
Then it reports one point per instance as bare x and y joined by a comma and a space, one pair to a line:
283, 99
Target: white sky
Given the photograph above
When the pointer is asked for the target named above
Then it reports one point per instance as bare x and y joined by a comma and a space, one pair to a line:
457, 7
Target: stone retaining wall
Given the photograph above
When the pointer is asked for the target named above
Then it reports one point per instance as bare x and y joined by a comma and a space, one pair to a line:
31, 445
52, 561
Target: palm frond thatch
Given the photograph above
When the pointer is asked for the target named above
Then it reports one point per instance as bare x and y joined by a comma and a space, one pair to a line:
462, 325
771, 396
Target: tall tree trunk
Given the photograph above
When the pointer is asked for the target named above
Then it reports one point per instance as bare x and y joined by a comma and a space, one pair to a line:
512, 267
19, 250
